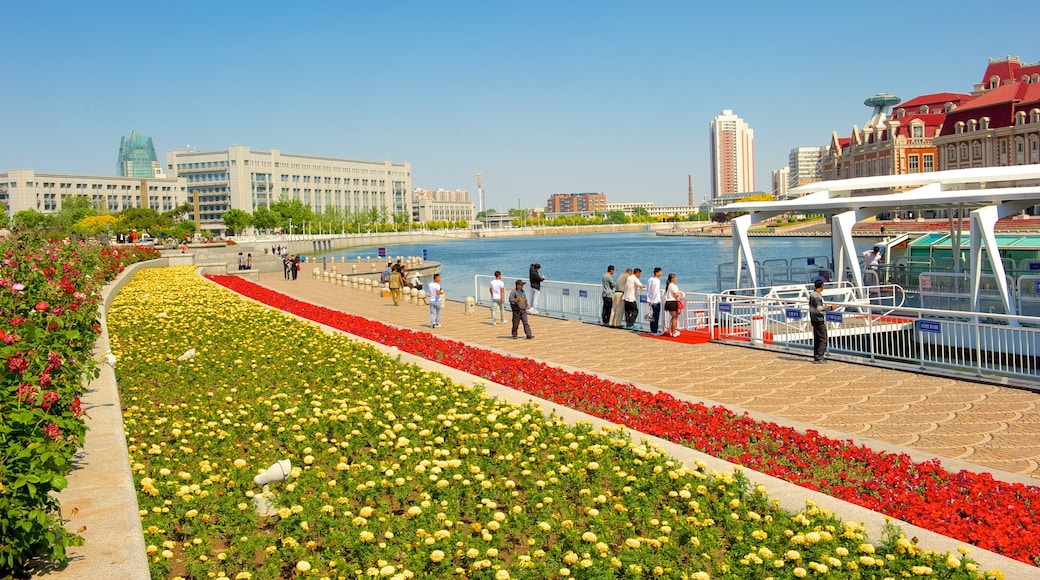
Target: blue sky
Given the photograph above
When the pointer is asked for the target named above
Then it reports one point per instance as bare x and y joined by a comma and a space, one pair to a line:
539, 96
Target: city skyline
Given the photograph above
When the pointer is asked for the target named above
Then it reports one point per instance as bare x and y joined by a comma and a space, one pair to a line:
540, 98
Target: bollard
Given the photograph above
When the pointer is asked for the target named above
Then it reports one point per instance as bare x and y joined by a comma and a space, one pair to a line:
758, 327
316, 273
471, 305
353, 268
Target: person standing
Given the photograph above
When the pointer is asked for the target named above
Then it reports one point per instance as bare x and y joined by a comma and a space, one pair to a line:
672, 296
498, 299
631, 297
536, 277
618, 308
518, 304
295, 266
819, 322
608, 295
436, 300
872, 258
653, 300
241, 261
286, 266
395, 283
249, 261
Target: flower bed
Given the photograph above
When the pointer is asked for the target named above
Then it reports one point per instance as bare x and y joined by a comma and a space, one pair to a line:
399, 473
48, 324
971, 507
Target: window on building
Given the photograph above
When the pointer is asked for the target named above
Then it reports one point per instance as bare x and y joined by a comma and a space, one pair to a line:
964, 150
976, 149
985, 123
917, 131
947, 107
959, 127
912, 164
972, 125
1020, 118
924, 109
1034, 116
994, 82
928, 161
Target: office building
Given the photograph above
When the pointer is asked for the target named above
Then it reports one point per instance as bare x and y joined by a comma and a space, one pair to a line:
137, 157
240, 178
24, 189
804, 166
732, 147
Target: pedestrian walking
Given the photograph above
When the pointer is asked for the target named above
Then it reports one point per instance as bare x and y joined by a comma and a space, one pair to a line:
631, 297
498, 299
395, 283
653, 300
818, 319
518, 304
608, 294
535, 275
436, 298
673, 298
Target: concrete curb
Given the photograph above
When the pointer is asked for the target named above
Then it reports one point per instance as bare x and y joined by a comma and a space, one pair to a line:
101, 497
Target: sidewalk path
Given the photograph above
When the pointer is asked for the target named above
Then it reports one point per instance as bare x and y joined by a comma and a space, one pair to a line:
970, 425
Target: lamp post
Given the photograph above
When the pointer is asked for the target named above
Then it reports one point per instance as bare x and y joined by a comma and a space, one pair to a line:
290, 226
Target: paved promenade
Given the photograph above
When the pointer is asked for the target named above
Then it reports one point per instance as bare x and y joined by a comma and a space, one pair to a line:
969, 425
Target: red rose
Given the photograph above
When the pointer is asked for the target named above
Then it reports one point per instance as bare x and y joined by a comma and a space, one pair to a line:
41, 306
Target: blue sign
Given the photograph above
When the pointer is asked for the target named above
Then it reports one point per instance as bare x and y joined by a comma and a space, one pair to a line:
793, 313
424, 254
811, 262
929, 326
725, 307
382, 252
566, 291
583, 293
832, 316
1034, 265
1038, 285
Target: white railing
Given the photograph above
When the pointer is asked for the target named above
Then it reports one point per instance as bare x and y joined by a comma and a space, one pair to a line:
866, 325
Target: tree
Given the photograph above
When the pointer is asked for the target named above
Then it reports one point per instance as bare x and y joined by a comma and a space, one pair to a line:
292, 211
94, 224
640, 211
264, 218
140, 219
29, 219
72, 210
237, 220
616, 217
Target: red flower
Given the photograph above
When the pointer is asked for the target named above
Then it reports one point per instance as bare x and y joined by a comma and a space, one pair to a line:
49, 398
17, 363
76, 407
41, 306
52, 431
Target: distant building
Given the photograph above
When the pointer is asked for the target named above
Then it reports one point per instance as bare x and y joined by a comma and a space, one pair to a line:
428, 210
779, 180
440, 194
137, 157
628, 208
24, 189
804, 166
732, 147
576, 203
240, 178
1001, 125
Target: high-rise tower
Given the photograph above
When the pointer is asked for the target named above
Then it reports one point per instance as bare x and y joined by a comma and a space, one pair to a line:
732, 155
137, 157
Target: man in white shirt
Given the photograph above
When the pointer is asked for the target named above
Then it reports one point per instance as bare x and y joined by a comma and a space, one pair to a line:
653, 300
631, 298
498, 299
436, 298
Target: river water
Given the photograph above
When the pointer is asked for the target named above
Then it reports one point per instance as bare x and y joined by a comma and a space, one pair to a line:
584, 257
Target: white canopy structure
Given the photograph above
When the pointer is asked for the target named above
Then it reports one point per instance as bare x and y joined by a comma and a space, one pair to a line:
988, 193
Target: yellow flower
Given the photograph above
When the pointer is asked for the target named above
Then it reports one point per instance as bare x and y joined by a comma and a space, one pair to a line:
303, 566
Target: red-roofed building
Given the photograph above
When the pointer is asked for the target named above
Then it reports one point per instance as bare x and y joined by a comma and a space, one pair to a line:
1001, 125
895, 144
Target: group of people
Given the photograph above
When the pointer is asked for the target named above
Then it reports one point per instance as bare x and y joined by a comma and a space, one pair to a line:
290, 266
245, 262
621, 299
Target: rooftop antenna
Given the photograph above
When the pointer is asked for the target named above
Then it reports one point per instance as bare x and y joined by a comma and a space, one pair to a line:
690, 180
